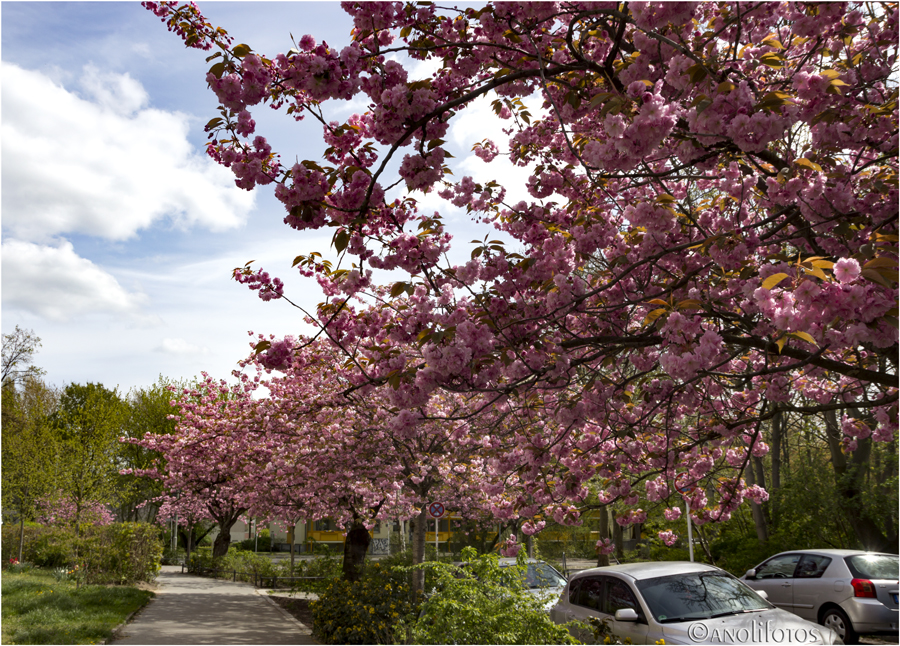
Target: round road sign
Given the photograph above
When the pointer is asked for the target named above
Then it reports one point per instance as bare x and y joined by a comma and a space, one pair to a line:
435, 510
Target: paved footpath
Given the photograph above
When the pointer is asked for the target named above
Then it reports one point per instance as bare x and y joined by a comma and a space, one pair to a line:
197, 610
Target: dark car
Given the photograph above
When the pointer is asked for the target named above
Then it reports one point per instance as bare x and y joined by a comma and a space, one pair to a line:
850, 591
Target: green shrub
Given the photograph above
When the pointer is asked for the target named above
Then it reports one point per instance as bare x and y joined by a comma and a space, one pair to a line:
368, 611
172, 557
237, 564
261, 544
119, 553
404, 559
319, 573
44, 546
490, 606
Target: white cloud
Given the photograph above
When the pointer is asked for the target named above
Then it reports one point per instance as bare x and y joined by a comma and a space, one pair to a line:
105, 167
54, 282
180, 347
118, 93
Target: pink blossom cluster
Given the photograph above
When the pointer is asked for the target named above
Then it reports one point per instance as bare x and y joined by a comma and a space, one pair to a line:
668, 537
65, 511
268, 287
188, 23
605, 546
251, 165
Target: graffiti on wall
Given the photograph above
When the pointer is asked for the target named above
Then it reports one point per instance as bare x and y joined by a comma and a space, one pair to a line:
380, 546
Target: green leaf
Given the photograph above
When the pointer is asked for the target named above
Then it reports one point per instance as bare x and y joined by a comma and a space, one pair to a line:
655, 314
341, 239
771, 59
241, 50
805, 163
805, 336
398, 289
773, 280
696, 73
218, 69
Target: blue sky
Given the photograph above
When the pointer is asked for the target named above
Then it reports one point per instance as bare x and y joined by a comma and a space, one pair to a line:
118, 233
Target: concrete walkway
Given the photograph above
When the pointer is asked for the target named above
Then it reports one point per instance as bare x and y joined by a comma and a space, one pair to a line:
190, 609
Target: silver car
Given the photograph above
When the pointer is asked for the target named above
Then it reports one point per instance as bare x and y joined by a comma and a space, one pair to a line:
850, 591
541, 580
681, 603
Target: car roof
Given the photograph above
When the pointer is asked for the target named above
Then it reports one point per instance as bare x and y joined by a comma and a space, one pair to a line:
835, 552
650, 570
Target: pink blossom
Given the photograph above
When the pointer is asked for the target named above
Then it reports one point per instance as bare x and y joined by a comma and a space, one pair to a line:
846, 270
668, 537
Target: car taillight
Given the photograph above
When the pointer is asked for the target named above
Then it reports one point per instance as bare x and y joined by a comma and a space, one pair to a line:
863, 588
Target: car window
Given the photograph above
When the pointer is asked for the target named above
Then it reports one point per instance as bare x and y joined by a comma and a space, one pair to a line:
618, 596
574, 591
541, 575
779, 567
589, 594
812, 566
874, 566
685, 597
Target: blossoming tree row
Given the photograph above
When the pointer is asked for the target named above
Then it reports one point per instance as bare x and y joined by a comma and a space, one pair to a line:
710, 237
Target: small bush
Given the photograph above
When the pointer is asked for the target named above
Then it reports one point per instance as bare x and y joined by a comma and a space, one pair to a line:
366, 612
119, 553
263, 543
15, 567
489, 606
320, 572
237, 564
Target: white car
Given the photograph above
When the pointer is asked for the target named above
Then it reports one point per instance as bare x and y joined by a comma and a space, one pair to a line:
681, 603
850, 591
541, 580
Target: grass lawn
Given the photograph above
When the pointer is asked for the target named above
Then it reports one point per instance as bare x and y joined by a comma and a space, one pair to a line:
37, 609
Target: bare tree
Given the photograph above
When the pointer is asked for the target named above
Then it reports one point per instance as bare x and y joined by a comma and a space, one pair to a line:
18, 353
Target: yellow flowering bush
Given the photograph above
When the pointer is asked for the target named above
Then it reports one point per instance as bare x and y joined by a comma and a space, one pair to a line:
366, 612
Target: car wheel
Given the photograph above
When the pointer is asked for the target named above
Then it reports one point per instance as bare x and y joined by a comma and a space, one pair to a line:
837, 620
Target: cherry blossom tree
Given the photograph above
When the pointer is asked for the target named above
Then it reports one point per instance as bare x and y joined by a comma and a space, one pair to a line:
63, 511
340, 450
189, 512
710, 238
209, 460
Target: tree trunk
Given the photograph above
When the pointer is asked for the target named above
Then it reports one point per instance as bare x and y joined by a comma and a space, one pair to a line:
290, 537
223, 538
187, 545
849, 479
21, 536
759, 519
617, 539
418, 579
529, 546
355, 547
776, 437
603, 531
